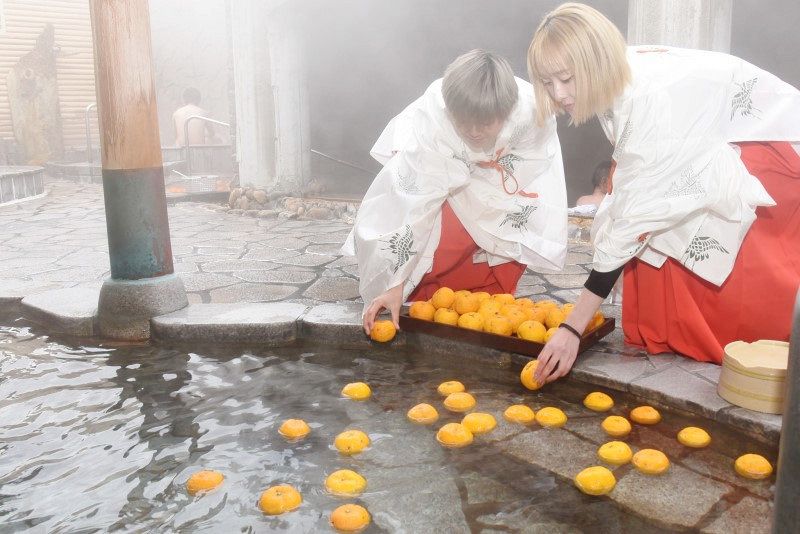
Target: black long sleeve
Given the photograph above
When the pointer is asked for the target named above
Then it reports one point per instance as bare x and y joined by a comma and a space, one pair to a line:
601, 284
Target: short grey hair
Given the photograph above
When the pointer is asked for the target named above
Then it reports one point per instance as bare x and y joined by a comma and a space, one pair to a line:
479, 88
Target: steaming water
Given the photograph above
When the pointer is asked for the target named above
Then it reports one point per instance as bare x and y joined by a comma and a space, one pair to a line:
104, 438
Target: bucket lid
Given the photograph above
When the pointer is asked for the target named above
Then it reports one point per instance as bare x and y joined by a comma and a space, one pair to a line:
765, 356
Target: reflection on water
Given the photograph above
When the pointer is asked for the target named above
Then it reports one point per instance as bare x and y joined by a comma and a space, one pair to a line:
103, 439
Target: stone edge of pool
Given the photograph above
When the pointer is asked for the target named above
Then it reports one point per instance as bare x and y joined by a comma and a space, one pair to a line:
665, 379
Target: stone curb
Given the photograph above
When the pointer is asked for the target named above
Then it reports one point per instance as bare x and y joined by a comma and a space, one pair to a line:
268, 324
71, 311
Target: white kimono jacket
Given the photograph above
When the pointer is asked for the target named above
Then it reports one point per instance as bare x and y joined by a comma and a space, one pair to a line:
398, 226
680, 189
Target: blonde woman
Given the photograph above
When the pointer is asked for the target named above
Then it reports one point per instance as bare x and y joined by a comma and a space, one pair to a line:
703, 210
471, 192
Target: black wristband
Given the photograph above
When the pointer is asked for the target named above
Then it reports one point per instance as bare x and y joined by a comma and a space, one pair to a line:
565, 326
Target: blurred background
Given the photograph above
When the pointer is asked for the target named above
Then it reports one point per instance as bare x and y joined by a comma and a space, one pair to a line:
359, 62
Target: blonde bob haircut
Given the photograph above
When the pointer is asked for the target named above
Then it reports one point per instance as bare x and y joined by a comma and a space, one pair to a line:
580, 40
479, 88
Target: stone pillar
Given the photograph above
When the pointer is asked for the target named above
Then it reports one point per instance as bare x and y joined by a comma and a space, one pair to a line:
272, 119
142, 283
701, 24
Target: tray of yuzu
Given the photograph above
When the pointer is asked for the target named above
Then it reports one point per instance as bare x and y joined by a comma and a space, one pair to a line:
498, 321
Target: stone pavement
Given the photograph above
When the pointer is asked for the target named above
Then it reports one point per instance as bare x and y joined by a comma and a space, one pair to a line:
59, 242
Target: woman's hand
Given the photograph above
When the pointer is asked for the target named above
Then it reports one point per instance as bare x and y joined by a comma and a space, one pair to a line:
557, 356
390, 300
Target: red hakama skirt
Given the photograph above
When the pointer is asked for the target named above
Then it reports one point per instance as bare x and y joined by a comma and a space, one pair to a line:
672, 310
453, 267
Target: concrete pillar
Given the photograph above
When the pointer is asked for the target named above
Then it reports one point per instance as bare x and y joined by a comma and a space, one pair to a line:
142, 283
701, 24
786, 516
272, 118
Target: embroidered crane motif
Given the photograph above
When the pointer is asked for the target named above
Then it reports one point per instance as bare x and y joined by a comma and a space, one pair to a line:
743, 100
688, 185
507, 161
463, 159
400, 245
700, 249
406, 184
519, 219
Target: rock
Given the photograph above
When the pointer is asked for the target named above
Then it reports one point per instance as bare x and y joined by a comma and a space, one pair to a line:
251, 213
287, 215
249, 193
260, 196
267, 214
243, 203
234, 196
319, 214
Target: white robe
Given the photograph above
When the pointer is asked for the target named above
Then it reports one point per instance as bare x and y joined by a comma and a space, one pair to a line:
398, 226
680, 189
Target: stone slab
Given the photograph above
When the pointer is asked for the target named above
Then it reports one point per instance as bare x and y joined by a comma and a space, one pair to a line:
679, 388
270, 324
341, 324
748, 516
71, 311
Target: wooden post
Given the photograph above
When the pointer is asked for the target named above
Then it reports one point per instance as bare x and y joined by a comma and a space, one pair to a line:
142, 284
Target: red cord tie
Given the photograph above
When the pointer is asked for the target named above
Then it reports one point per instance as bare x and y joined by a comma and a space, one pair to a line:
505, 174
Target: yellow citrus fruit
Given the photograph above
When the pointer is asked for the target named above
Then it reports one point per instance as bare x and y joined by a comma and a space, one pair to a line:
694, 437
616, 426
479, 422
532, 331
351, 442
596, 321
551, 417
459, 402
350, 518
504, 298
550, 333
421, 309
546, 304
471, 321
423, 414
650, 461
615, 453
279, 499
596, 480
345, 482
554, 318
488, 308
524, 302
482, 296
451, 386
382, 331
466, 303
598, 401
462, 292
753, 466
294, 429
526, 375
567, 308
443, 298
536, 313
498, 324
645, 415
454, 435
203, 481
446, 316
357, 391
515, 315
519, 413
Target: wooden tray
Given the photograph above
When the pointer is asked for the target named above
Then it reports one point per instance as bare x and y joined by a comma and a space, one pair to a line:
496, 341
